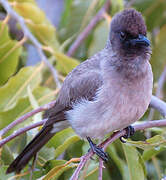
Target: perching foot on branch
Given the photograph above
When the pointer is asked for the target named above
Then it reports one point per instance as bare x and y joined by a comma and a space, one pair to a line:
98, 150
129, 132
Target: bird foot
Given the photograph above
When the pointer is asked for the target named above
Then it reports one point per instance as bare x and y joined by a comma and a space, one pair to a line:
98, 150
129, 132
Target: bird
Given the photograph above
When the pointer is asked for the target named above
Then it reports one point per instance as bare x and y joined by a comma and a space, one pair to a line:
107, 92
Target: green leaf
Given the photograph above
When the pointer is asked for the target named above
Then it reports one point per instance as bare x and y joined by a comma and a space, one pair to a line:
10, 51
75, 150
156, 145
6, 155
62, 140
72, 17
58, 170
29, 10
149, 153
121, 165
37, 117
64, 63
32, 99
66, 13
154, 12
3, 174
46, 34
21, 142
47, 153
155, 141
136, 169
65, 145
37, 22
16, 87
117, 6
43, 96
92, 172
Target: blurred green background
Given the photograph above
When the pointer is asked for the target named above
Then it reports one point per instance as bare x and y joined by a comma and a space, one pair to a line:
26, 83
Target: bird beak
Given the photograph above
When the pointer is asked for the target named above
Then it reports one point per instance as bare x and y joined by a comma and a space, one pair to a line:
141, 40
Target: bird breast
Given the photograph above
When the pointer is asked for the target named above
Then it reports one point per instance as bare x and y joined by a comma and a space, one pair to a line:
118, 104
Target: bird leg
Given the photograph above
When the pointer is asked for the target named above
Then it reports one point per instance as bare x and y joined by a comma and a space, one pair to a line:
129, 132
98, 150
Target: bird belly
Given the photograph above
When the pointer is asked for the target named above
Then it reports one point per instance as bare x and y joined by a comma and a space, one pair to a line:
97, 118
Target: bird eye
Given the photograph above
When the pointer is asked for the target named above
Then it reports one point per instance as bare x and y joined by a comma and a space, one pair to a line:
122, 35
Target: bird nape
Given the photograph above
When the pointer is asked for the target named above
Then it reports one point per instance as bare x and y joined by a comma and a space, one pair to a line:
107, 92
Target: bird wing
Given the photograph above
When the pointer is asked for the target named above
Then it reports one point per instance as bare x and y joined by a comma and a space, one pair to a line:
82, 82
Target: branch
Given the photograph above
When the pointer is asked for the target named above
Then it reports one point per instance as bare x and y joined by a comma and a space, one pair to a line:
21, 131
160, 84
159, 105
112, 138
159, 93
88, 29
30, 36
26, 116
100, 169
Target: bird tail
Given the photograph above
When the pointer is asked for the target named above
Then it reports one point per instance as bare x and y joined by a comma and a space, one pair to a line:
30, 150
46, 133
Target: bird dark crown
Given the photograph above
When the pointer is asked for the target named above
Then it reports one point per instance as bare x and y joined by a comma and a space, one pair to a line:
130, 21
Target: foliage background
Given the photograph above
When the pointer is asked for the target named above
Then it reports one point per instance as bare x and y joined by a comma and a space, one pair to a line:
24, 87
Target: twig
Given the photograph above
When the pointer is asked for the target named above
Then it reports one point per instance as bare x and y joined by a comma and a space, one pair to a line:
21, 131
159, 105
84, 173
100, 177
160, 84
26, 116
159, 93
112, 138
82, 163
88, 29
29, 35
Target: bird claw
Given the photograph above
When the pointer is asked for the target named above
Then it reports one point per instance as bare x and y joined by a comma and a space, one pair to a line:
98, 150
129, 132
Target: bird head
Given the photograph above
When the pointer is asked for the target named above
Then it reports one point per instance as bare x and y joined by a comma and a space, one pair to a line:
128, 34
